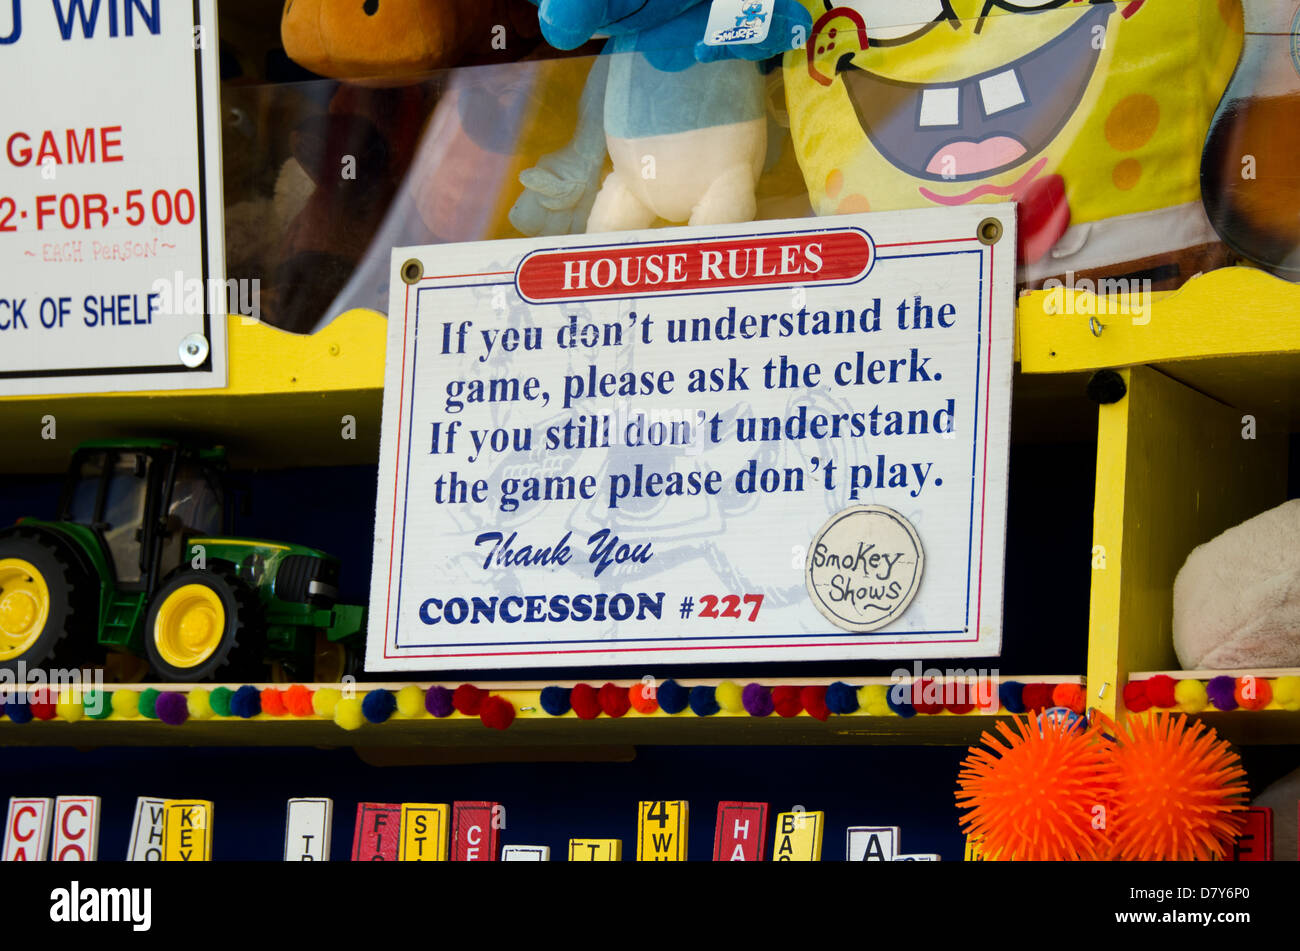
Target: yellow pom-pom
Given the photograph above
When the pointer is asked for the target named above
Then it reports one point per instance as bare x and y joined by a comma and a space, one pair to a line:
324, 700
199, 703
69, 706
872, 699
410, 701
126, 703
347, 713
730, 696
1191, 696
1286, 692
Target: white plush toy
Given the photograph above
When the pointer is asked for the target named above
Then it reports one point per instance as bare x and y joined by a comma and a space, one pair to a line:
1237, 597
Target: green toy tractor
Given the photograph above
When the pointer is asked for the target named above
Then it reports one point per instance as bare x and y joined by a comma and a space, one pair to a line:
136, 562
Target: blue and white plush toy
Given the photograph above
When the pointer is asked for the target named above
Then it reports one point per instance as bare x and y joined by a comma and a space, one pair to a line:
683, 122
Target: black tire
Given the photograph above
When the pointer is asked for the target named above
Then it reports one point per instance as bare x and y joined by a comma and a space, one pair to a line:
240, 636
70, 623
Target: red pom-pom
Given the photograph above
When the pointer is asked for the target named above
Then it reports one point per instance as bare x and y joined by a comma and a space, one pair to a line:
273, 702
43, 704
468, 699
813, 698
614, 700
585, 701
497, 712
297, 700
1135, 696
641, 700
961, 697
1253, 693
785, 700
1160, 691
927, 696
1037, 696
1070, 696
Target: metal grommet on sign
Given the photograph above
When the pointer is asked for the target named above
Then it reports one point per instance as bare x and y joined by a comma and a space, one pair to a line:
193, 350
1095, 325
989, 231
412, 271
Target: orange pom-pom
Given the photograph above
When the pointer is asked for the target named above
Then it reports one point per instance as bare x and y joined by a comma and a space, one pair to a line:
1253, 693
1070, 696
1032, 797
1178, 789
297, 700
273, 702
642, 701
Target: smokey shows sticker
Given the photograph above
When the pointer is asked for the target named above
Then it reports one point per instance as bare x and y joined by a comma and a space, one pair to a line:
864, 567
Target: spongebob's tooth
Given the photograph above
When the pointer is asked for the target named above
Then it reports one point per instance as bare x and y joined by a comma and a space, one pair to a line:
939, 107
1001, 92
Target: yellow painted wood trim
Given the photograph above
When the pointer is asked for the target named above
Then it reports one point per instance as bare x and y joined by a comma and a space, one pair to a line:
1234, 311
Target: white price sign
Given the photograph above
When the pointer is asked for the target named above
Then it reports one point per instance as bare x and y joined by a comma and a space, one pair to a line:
111, 237
778, 440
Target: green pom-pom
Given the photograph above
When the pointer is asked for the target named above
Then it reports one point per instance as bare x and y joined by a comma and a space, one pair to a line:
1191, 696
410, 701
98, 704
219, 701
347, 713
729, 695
148, 700
199, 703
126, 703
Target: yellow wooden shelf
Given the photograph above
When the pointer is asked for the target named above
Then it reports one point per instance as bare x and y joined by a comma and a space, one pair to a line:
1232, 334
532, 728
284, 406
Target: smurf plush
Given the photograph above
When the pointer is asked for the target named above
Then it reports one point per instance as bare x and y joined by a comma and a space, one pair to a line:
1237, 597
682, 121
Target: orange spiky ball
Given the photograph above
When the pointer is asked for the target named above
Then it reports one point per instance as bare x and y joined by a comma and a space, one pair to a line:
1035, 796
1179, 790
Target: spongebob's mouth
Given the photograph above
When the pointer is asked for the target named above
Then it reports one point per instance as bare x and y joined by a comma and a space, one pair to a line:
984, 124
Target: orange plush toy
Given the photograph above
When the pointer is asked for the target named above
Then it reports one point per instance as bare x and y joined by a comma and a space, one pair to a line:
385, 40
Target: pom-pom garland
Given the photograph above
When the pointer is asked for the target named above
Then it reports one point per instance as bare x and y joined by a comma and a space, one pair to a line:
323, 701
297, 701
786, 702
378, 705
729, 696
497, 712
640, 696
1070, 696
148, 702
348, 713
98, 704
1012, 695
757, 700
218, 699
438, 701
613, 700
672, 697
410, 701
1253, 693
246, 702
585, 702
126, 703
1160, 691
199, 704
172, 708
842, 698
555, 700
43, 704
813, 699
1222, 692
704, 702
69, 708
468, 699
1191, 696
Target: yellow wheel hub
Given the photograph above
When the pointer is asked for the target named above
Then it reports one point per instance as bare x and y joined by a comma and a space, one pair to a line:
24, 606
190, 624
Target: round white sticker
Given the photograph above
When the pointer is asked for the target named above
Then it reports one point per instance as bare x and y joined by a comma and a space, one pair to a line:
864, 567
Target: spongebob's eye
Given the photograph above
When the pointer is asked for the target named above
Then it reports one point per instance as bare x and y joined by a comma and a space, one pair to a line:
890, 21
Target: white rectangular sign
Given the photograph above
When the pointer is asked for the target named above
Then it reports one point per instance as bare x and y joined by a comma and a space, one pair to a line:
777, 440
27, 829
76, 829
111, 234
307, 828
147, 830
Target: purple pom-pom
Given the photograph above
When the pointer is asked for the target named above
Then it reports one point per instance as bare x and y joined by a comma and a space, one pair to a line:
437, 700
1221, 691
757, 700
172, 708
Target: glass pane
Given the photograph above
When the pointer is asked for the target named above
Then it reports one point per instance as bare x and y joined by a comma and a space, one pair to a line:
86, 489
196, 502
124, 506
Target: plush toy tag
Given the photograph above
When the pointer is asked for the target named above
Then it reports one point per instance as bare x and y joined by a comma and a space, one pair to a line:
738, 22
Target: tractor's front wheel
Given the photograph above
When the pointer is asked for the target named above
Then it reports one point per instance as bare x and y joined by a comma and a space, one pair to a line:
200, 622
39, 593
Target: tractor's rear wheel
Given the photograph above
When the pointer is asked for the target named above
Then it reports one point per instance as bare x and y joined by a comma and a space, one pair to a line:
40, 593
200, 622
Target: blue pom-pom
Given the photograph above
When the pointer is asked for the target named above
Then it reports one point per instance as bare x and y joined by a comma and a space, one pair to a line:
555, 700
1011, 693
672, 697
19, 710
378, 705
896, 696
704, 701
246, 702
841, 698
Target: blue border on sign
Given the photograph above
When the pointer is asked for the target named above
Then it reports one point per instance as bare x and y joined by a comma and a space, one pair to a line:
632, 641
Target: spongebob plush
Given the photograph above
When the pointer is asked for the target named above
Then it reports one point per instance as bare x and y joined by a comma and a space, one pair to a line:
1091, 115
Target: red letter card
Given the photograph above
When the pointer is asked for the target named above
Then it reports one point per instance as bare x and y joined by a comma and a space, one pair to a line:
474, 831
1255, 844
741, 832
379, 825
